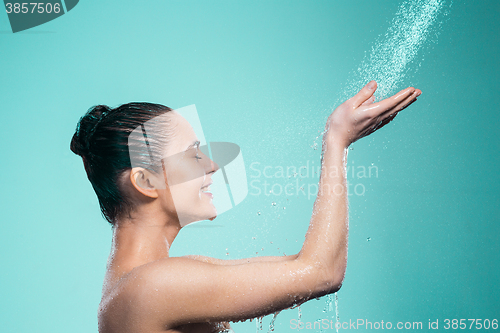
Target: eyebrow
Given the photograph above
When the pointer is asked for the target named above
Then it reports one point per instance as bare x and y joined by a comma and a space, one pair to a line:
196, 143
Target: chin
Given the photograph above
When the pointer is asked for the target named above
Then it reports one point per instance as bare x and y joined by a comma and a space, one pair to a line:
212, 214
208, 214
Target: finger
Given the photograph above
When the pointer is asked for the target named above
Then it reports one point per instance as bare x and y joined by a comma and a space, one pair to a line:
369, 101
389, 116
364, 94
407, 105
401, 106
407, 102
391, 102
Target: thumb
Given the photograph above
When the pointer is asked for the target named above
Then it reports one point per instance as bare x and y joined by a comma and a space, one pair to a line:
364, 94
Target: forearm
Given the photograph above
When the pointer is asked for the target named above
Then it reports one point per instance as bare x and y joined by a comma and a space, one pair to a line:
325, 243
216, 261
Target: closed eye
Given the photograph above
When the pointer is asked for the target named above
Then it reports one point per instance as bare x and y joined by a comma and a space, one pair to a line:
197, 156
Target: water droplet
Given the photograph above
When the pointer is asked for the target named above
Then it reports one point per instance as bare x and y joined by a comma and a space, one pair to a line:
273, 203
284, 208
337, 317
259, 324
368, 239
271, 325
258, 213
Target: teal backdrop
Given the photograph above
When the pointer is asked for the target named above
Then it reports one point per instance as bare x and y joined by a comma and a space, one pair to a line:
424, 225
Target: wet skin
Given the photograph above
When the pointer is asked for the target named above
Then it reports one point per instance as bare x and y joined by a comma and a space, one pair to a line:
146, 290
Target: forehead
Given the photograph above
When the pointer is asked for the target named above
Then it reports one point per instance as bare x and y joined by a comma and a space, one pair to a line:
183, 134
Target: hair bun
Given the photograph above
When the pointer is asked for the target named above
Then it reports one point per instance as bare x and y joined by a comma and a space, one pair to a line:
87, 126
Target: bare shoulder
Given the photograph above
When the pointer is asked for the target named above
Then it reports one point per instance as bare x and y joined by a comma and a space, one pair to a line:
127, 306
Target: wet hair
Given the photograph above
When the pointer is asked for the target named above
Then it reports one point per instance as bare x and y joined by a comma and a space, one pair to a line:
102, 140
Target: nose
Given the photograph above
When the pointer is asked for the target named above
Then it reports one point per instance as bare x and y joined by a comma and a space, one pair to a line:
210, 165
214, 166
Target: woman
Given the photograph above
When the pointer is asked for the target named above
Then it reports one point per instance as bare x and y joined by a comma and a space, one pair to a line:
146, 290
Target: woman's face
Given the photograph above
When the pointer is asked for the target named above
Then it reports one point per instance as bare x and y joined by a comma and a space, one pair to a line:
188, 173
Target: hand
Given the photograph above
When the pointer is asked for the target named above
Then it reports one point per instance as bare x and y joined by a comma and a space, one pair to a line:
359, 116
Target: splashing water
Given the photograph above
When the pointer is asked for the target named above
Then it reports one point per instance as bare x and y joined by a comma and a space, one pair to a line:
271, 325
388, 60
329, 308
392, 52
258, 322
337, 317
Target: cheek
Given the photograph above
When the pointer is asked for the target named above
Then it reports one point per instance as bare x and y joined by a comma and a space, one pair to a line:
187, 193
185, 171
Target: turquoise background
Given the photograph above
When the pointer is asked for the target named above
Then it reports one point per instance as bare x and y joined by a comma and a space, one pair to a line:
264, 75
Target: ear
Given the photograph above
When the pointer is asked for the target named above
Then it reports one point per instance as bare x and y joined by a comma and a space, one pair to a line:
144, 181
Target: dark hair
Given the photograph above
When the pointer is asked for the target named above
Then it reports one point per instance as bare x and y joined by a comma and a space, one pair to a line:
102, 140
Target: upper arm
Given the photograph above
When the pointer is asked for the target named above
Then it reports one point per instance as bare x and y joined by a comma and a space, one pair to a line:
177, 291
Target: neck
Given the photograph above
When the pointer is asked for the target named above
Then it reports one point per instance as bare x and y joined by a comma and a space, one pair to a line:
142, 239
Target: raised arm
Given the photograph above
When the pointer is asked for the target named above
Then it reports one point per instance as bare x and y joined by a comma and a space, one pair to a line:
176, 291
326, 238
